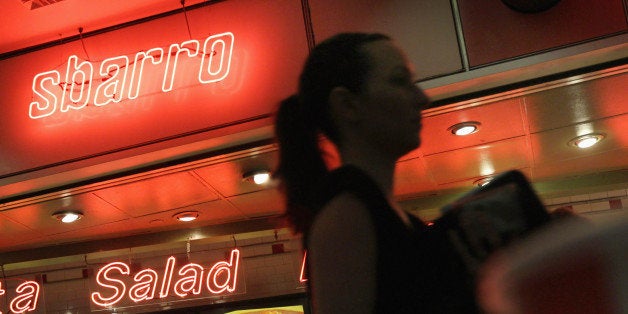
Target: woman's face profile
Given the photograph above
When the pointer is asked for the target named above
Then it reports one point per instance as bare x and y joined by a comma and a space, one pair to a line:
391, 100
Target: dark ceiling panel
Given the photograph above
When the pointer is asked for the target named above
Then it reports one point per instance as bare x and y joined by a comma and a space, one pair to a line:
39, 216
221, 176
259, 204
577, 103
498, 121
554, 145
425, 29
478, 161
412, 178
493, 32
158, 194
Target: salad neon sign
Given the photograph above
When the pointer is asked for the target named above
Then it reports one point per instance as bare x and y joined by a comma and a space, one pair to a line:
120, 77
26, 297
147, 284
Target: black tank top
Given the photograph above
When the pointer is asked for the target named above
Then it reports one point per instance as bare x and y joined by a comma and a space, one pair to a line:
417, 270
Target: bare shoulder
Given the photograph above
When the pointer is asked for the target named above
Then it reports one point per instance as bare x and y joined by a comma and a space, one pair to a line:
343, 257
343, 212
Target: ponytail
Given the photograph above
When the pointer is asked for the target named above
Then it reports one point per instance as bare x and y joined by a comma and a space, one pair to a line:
337, 61
301, 166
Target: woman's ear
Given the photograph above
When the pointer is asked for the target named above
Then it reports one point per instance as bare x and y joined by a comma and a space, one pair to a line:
343, 105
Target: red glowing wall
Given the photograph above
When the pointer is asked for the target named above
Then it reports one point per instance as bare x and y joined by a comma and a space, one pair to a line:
268, 51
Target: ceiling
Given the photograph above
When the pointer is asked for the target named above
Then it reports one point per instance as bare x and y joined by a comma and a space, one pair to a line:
22, 26
526, 128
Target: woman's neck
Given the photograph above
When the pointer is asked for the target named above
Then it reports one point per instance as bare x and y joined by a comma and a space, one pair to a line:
379, 168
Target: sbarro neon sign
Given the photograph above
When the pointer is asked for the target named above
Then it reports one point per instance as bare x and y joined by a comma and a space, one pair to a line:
120, 77
115, 281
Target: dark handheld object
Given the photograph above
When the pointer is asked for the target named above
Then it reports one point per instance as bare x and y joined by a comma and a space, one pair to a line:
491, 217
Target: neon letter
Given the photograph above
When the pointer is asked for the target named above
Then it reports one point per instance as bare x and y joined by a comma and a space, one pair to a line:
192, 283
111, 88
85, 79
215, 65
156, 55
168, 271
230, 269
144, 289
169, 79
117, 285
49, 106
2, 291
216, 70
27, 300
302, 277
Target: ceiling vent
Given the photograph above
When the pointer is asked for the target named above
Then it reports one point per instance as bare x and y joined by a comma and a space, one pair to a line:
36, 4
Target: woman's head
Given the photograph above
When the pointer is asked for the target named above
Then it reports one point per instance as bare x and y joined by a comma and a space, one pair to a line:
341, 72
338, 61
384, 117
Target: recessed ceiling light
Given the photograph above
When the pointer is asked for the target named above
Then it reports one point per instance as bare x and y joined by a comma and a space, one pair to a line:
587, 140
464, 128
482, 181
186, 215
68, 216
258, 177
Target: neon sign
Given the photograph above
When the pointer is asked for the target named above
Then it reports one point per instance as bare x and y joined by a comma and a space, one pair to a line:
302, 277
116, 80
114, 278
25, 300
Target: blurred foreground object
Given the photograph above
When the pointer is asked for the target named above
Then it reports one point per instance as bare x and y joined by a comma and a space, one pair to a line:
570, 267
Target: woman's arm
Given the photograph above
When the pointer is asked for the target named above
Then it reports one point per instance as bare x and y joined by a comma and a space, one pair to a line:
342, 257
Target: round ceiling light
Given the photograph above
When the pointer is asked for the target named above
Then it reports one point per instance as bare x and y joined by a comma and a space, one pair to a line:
587, 140
67, 216
258, 177
186, 216
482, 181
464, 128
